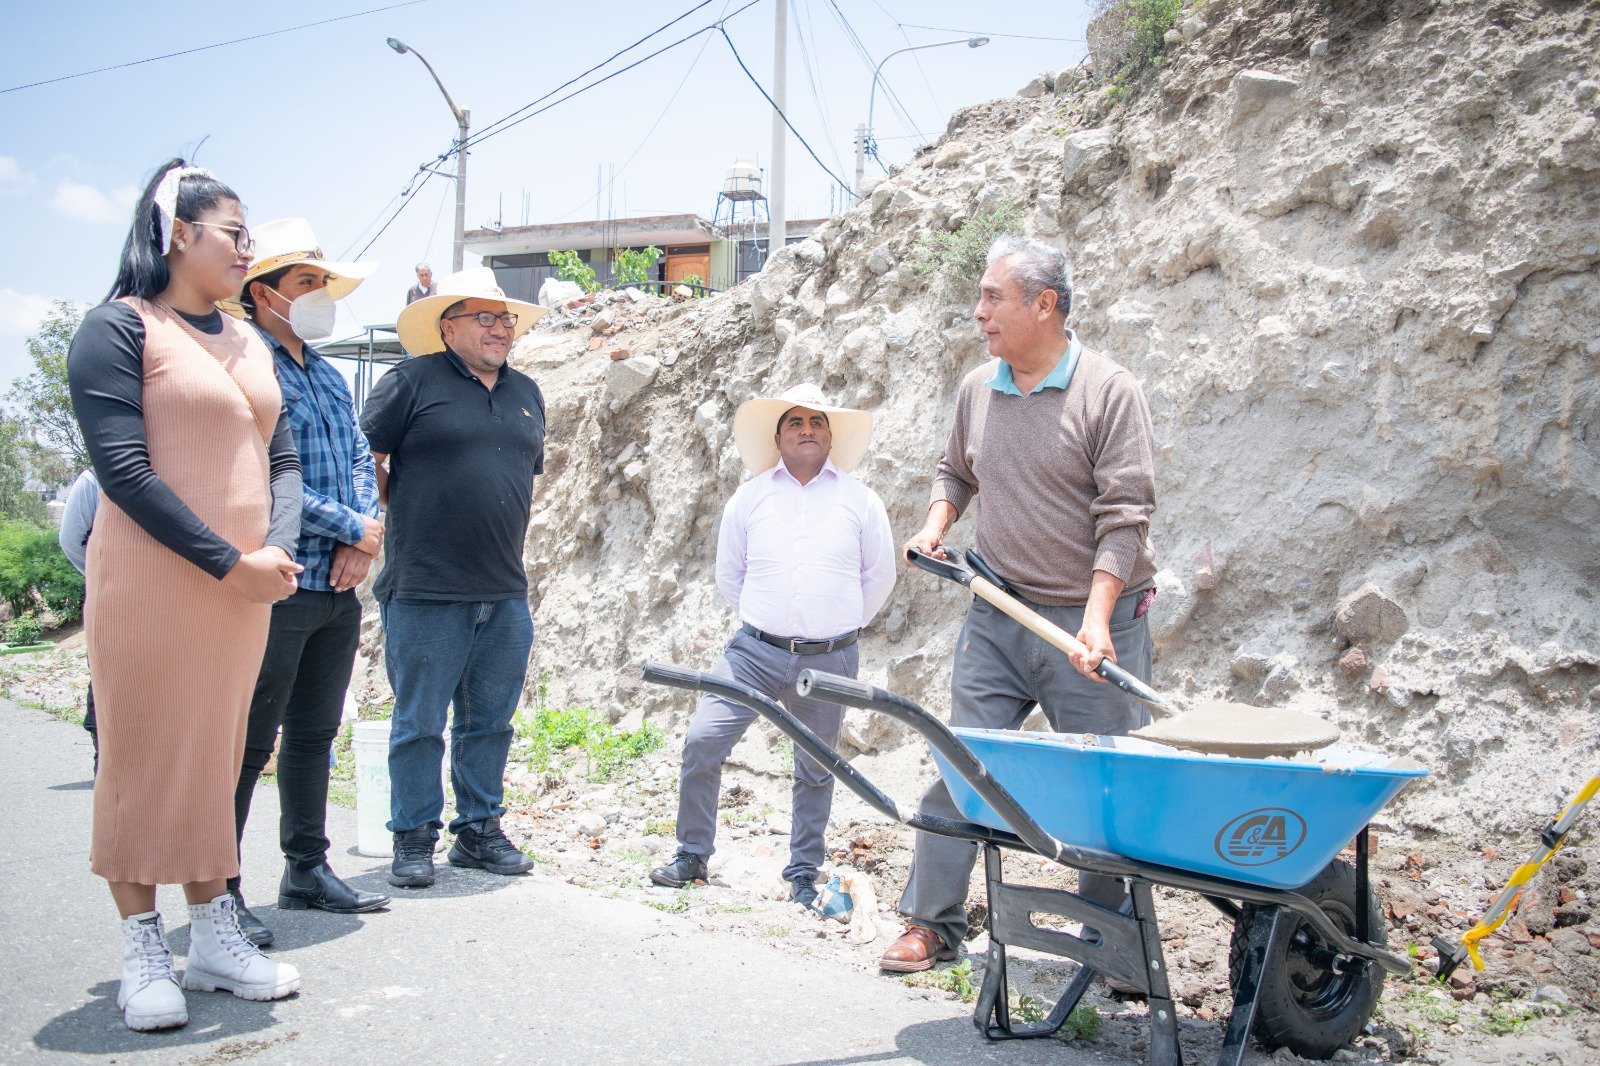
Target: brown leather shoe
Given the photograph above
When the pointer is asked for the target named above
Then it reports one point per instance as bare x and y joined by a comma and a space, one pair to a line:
917, 949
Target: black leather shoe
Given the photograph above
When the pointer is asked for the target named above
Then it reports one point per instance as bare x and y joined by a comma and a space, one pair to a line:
413, 858
686, 868
249, 924
321, 888
802, 890
485, 847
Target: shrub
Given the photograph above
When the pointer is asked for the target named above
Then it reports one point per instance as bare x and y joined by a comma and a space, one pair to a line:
1128, 37
631, 267
545, 732
34, 573
569, 267
24, 630
959, 258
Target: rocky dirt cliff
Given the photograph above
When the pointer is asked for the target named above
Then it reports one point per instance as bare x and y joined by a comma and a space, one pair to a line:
1349, 249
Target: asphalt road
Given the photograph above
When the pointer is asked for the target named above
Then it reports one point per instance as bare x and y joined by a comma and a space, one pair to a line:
479, 968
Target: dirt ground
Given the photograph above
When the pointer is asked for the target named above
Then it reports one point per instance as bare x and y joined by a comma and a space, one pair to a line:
1535, 1002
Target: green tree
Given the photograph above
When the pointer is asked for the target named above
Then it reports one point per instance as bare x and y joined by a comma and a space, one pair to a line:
40, 402
34, 573
17, 503
632, 267
569, 267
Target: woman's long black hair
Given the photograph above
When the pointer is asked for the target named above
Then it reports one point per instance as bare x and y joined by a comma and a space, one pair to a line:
142, 270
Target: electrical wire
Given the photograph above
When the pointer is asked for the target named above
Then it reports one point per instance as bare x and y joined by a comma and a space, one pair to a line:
917, 59
648, 133
811, 79
515, 118
505, 121
866, 58
990, 33
812, 152
208, 47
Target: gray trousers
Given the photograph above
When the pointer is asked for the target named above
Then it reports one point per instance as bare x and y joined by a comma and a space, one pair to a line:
718, 725
1001, 672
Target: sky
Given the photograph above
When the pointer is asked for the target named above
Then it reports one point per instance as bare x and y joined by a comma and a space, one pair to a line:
328, 123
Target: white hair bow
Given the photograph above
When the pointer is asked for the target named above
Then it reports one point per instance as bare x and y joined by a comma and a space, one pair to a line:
166, 198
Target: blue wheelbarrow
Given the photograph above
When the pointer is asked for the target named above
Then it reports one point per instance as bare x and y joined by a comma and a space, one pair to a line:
1257, 838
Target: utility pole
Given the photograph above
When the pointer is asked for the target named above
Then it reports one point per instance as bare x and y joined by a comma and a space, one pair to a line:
861, 157
458, 254
776, 232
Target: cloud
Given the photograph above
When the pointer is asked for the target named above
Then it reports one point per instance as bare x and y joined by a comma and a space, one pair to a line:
88, 204
21, 312
13, 179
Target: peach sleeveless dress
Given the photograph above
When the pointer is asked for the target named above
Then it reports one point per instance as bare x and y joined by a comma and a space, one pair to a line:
173, 654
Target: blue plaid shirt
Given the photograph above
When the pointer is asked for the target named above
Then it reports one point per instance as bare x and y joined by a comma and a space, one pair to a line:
335, 460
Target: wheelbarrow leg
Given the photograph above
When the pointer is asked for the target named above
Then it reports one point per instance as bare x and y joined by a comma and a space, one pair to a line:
992, 1014
1164, 1049
1268, 927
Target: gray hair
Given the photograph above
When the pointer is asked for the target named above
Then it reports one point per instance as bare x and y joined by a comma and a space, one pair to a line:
424, 266
1037, 267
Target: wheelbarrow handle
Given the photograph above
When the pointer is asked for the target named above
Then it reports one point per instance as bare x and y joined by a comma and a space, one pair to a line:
770, 709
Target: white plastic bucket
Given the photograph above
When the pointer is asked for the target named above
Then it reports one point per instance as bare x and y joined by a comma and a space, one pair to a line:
370, 743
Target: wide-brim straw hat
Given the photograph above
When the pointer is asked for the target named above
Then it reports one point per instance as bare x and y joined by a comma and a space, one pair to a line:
418, 324
287, 242
755, 425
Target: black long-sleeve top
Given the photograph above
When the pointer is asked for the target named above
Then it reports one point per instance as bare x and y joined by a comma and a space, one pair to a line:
105, 372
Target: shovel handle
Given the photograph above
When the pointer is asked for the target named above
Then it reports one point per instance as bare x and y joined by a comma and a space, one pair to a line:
1061, 640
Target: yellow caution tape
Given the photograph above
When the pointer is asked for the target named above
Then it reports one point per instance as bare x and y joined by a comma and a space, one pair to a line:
1550, 841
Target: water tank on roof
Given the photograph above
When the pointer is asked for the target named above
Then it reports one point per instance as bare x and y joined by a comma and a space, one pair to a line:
743, 181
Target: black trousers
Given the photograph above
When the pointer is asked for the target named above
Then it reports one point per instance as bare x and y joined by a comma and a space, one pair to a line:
311, 650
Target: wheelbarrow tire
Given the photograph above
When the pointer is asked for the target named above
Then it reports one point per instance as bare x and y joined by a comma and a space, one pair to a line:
1304, 1005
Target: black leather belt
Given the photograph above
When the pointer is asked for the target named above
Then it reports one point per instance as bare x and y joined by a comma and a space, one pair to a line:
800, 646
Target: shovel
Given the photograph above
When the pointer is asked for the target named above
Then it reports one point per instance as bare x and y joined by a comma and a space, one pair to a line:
1215, 726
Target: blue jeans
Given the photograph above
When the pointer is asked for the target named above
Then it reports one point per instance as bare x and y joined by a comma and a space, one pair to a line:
475, 655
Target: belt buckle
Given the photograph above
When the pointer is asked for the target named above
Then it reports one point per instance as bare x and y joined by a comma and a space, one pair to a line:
794, 645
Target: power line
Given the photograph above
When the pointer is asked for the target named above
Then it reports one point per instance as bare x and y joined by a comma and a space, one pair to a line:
866, 58
506, 125
649, 133
491, 127
208, 47
990, 33
917, 59
803, 142
516, 118
811, 79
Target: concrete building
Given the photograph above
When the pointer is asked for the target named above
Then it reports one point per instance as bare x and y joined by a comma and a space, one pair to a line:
691, 247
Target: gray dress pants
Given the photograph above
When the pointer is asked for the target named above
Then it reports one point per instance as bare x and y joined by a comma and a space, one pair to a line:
1001, 672
718, 725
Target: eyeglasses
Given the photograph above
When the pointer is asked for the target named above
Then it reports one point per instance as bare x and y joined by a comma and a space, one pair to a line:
243, 243
488, 318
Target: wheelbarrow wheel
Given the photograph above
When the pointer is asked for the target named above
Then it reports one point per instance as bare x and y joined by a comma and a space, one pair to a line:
1305, 1004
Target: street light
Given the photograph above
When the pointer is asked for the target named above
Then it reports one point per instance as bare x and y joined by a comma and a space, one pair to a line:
463, 120
864, 133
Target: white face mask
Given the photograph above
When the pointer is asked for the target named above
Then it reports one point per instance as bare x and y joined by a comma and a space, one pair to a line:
310, 316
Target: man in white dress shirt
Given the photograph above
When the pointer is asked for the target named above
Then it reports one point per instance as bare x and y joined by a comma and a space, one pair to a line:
806, 558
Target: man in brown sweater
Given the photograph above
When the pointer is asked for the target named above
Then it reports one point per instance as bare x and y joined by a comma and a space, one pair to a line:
1058, 439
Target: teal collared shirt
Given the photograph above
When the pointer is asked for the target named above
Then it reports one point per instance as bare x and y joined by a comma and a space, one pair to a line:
1058, 378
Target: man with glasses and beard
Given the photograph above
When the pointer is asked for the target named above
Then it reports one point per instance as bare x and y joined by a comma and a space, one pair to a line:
458, 437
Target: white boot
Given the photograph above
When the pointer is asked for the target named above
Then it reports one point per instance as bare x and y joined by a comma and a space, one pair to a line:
149, 997
220, 957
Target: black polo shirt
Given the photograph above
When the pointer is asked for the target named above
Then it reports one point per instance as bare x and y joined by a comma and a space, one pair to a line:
462, 459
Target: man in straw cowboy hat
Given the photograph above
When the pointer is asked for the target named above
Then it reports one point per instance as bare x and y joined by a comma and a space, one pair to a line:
806, 558
458, 436
289, 294
1058, 440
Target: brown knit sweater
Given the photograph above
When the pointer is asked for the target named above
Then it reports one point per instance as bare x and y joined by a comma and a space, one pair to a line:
1068, 480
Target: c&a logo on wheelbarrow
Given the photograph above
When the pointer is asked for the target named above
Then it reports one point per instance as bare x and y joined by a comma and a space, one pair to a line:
1261, 836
